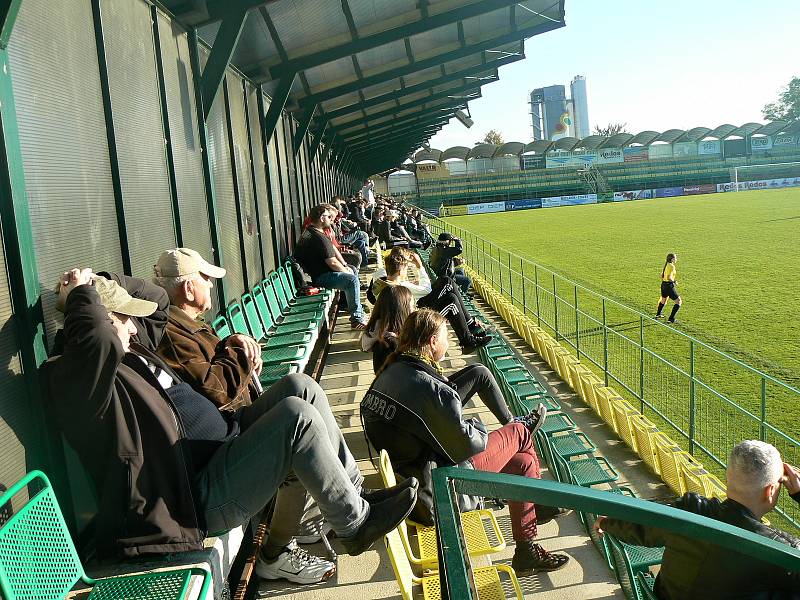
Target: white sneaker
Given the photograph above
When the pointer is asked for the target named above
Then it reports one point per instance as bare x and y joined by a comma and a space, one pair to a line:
296, 565
313, 536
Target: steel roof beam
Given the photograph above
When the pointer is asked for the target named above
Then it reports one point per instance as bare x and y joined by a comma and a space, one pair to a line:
416, 133
397, 125
276, 105
224, 44
425, 85
302, 129
433, 61
369, 42
397, 129
470, 87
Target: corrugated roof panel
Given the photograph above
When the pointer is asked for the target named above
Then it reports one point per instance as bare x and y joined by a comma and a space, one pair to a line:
370, 15
464, 63
450, 85
388, 55
487, 26
331, 74
380, 88
303, 31
341, 101
435, 41
255, 44
383, 106
422, 76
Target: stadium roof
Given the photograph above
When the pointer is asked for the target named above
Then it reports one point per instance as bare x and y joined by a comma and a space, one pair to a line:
373, 79
620, 140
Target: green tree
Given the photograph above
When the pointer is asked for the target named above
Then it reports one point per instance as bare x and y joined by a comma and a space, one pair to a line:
492, 137
610, 129
787, 106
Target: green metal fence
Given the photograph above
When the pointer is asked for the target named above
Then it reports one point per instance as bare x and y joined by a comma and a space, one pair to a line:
456, 576
705, 399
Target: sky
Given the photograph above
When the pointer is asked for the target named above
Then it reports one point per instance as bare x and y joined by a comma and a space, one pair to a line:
653, 64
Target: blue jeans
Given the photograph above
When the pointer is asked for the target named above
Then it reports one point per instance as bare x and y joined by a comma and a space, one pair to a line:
349, 284
291, 432
462, 280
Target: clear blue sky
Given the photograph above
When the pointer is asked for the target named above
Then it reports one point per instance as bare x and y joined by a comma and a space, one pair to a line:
653, 64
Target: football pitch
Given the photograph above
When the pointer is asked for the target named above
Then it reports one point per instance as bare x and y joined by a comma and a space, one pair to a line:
738, 263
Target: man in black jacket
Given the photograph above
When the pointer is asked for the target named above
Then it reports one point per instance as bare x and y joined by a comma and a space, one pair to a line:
443, 259
694, 569
167, 464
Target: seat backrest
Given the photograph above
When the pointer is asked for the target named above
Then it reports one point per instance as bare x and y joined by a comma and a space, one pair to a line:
400, 564
283, 302
261, 305
37, 556
252, 318
286, 287
221, 326
236, 318
272, 301
389, 480
286, 272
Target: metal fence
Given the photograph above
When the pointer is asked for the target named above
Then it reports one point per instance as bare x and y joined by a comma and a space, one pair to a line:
705, 399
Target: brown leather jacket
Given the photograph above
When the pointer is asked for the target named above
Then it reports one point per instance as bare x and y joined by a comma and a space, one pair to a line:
121, 423
216, 370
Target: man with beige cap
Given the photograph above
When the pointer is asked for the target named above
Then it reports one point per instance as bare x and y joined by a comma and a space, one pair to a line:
167, 464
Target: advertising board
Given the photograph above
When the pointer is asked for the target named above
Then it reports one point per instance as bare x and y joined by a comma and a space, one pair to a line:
635, 154
523, 204
633, 195
485, 207
709, 147
669, 192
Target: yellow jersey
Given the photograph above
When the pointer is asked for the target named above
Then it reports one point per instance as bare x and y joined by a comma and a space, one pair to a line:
669, 272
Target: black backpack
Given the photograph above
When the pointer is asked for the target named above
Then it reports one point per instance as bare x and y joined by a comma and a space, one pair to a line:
299, 275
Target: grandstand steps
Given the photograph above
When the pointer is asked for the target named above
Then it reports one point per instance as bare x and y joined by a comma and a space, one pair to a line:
345, 378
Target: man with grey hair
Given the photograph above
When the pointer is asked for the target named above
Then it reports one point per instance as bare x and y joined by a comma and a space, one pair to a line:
694, 569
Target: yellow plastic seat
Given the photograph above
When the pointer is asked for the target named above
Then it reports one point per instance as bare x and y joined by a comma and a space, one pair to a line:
473, 522
671, 459
624, 414
590, 384
565, 359
645, 431
700, 481
605, 397
487, 579
577, 371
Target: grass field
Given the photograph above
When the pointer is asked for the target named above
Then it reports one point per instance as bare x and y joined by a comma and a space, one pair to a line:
737, 273
738, 262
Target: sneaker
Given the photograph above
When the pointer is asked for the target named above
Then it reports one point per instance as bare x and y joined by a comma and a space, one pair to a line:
313, 537
532, 557
545, 514
671, 321
534, 419
297, 566
383, 517
358, 326
379, 495
659, 317
473, 342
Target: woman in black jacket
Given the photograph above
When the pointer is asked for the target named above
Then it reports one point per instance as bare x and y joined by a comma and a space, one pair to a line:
385, 321
414, 412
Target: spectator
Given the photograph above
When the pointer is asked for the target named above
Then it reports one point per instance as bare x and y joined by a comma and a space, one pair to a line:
414, 412
398, 231
694, 569
368, 193
443, 260
132, 419
383, 229
380, 338
322, 261
443, 297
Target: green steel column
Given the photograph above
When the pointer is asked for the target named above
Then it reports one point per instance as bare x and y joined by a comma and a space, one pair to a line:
641, 364
577, 328
221, 52
692, 398
44, 450
536, 289
763, 425
208, 175
605, 344
162, 91
269, 175
522, 275
111, 138
555, 306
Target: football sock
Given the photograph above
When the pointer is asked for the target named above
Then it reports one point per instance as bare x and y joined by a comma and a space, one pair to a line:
675, 309
660, 308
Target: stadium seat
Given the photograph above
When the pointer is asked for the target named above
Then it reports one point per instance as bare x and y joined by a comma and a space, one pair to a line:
672, 462
628, 561
475, 524
644, 432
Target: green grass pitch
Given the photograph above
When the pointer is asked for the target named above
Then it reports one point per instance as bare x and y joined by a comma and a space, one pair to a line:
738, 262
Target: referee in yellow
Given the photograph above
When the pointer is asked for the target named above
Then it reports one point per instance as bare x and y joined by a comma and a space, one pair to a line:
668, 289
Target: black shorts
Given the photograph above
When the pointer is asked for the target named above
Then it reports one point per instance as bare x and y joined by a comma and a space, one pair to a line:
668, 290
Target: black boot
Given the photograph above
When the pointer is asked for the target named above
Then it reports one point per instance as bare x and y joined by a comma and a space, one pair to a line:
379, 495
532, 557
383, 517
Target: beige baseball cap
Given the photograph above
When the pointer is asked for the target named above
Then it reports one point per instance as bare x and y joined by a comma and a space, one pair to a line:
184, 261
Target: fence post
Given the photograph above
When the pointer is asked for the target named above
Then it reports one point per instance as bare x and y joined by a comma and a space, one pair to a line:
577, 329
691, 398
555, 306
536, 289
641, 363
605, 344
763, 427
510, 280
522, 276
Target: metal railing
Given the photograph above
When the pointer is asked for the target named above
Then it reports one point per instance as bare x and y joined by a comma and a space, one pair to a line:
705, 399
457, 581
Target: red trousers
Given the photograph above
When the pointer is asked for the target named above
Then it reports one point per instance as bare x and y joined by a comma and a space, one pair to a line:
510, 450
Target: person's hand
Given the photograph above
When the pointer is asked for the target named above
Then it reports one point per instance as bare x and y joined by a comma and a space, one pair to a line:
791, 478
251, 348
415, 258
598, 525
68, 281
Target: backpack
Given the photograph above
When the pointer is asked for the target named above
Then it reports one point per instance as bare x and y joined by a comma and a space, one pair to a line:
299, 275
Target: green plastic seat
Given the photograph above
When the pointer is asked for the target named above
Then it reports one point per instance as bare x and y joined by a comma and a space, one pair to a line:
586, 472
221, 327
278, 336
570, 443
270, 373
237, 318
645, 582
315, 317
284, 301
291, 295
287, 270
554, 423
269, 353
495, 352
38, 560
628, 562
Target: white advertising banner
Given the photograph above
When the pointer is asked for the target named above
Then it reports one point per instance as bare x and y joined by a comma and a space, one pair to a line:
660, 151
784, 140
486, 207
570, 159
761, 184
610, 155
761, 142
684, 149
709, 147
